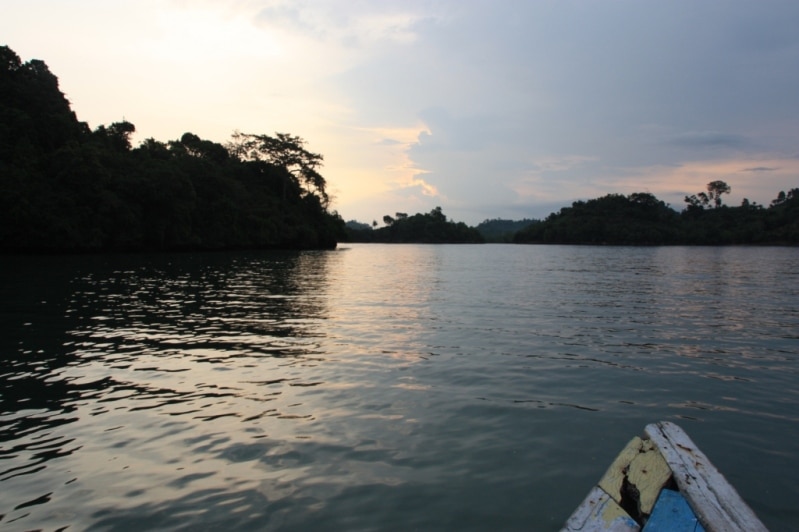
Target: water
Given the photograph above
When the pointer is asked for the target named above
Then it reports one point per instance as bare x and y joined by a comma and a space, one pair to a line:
385, 387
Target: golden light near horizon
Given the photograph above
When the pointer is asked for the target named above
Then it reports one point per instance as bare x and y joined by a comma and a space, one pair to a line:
354, 154
754, 179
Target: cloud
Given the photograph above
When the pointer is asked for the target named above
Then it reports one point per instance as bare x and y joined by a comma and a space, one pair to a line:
464, 132
546, 177
389, 142
350, 23
709, 139
760, 169
560, 163
607, 81
426, 188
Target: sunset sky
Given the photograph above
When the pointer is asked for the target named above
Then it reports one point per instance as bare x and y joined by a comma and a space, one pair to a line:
489, 109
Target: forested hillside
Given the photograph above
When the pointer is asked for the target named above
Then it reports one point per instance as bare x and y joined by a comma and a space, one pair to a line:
428, 228
501, 230
65, 187
641, 218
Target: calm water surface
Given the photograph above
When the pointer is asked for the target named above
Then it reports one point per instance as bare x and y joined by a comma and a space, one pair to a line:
385, 387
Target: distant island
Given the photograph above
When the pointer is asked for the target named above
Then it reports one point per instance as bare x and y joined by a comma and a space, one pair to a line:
66, 188
636, 219
430, 228
642, 219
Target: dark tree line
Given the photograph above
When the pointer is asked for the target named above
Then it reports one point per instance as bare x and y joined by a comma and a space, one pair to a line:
429, 228
501, 230
642, 219
635, 219
64, 187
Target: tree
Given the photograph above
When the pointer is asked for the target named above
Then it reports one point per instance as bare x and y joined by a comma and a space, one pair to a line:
710, 198
432, 227
193, 145
117, 135
639, 218
644, 198
438, 215
694, 202
779, 200
714, 191
499, 230
154, 149
9, 61
355, 225
286, 151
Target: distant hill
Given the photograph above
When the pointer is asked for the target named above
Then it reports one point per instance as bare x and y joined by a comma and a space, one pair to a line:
354, 225
499, 230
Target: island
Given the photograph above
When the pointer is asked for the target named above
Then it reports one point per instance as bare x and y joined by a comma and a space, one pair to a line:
67, 188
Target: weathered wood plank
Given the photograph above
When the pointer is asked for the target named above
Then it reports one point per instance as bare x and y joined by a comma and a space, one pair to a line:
639, 467
715, 502
672, 513
600, 513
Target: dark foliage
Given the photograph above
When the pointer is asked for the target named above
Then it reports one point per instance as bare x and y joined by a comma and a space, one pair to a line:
499, 230
642, 219
355, 225
64, 187
430, 228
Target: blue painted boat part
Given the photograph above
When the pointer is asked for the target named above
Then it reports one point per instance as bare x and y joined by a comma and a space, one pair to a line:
672, 513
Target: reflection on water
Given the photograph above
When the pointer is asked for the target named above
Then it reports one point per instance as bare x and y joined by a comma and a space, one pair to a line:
384, 387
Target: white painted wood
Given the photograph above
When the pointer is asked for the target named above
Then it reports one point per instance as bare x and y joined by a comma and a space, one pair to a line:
600, 513
715, 502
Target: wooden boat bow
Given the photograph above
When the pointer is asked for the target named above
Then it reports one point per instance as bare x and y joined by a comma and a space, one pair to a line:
663, 482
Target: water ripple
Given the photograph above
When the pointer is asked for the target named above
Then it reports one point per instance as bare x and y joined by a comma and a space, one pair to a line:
434, 387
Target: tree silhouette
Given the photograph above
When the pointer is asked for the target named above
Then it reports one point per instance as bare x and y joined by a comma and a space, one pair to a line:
714, 191
64, 187
711, 198
286, 151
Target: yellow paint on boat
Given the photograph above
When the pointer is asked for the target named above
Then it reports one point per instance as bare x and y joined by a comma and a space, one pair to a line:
643, 467
612, 512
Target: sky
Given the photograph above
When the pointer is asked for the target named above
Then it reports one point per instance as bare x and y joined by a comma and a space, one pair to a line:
487, 108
